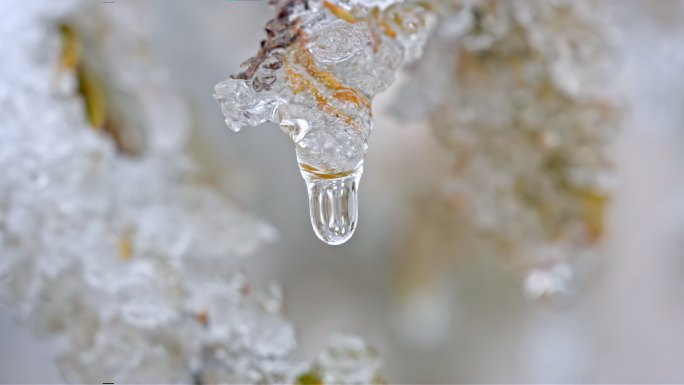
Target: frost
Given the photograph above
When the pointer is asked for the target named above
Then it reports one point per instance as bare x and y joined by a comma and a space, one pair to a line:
521, 95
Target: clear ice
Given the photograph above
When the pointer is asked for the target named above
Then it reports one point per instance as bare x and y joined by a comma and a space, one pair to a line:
315, 75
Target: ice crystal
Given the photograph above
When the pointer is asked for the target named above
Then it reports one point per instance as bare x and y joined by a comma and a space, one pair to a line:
112, 243
315, 76
520, 94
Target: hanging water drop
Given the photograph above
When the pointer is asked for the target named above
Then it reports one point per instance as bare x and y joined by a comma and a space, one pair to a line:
333, 206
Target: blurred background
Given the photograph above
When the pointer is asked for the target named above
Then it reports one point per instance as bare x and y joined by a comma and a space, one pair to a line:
437, 313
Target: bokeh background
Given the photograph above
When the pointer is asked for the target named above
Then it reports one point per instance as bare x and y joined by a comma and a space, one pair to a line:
471, 323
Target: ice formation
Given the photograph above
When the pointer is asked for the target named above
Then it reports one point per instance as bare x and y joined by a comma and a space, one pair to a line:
315, 75
346, 360
521, 95
112, 243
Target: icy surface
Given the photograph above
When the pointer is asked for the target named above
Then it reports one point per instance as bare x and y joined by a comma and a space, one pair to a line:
520, 93
316, 74
113, 245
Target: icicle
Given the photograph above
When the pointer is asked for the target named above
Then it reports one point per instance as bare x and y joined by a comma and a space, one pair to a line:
315, 76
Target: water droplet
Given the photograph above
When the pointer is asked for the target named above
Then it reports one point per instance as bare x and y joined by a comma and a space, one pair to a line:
333, 204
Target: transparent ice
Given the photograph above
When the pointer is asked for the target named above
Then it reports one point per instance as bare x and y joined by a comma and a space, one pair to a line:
315, 75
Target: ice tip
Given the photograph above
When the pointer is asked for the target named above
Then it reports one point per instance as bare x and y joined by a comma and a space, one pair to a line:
333, 205
333, 237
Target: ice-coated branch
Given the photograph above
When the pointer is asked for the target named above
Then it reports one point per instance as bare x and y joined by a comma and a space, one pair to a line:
315, 75
521, 94
112, 244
